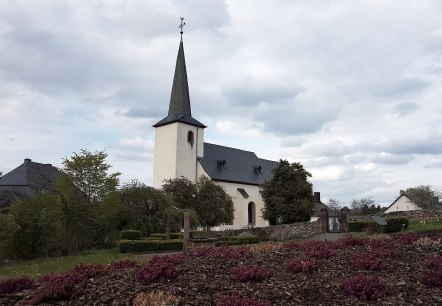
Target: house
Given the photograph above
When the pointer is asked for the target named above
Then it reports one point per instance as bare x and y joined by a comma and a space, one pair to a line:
28, 179
180, 151
402, 203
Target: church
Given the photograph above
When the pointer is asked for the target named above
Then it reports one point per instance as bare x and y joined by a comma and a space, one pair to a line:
180, 151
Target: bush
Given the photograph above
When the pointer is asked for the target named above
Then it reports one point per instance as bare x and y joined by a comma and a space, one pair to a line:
123, 264
352, 241
235, 240
249, 273
301, 265
364, 287
361, 226
205, 234
89, 271
431, 278
434, 262
396, 225
163, 236
133, 246
15, 285
159, 268
369, 261
130, 235
58, 287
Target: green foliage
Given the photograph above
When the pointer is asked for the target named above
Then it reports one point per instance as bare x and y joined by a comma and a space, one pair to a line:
205, 234
163, 236
134, 246
130, 235
424, 196
212, 205
365, 206
89, 172
146, 209
396, 225
426, 224
39, 222
107, 220
236, 240
361, 226
288, 195
8, 229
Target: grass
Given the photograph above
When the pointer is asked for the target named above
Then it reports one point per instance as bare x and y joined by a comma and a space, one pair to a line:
42, 266
427, 224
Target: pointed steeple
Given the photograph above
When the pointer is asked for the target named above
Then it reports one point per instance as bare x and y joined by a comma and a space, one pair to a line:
179, 106
179, 98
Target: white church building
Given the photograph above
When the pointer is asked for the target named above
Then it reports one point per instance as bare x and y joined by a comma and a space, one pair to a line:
180, 151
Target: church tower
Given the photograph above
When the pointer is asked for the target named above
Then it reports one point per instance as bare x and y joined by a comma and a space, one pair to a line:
179, 138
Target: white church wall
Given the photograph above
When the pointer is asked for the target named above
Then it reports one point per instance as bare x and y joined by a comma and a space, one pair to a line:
186, 160
165, 152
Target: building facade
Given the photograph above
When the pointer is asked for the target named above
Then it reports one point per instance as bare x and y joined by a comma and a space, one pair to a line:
180, 151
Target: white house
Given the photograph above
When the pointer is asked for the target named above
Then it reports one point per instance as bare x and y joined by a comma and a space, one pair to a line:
402, 203
180, 151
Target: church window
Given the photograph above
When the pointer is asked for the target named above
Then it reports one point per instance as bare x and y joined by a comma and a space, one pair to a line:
190, 138
251, 213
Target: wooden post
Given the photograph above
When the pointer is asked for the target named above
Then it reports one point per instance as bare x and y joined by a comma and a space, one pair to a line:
186, 231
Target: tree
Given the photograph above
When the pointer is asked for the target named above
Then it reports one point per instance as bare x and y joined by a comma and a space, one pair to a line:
213, 205
424, 196
365, 206
288, 195
208, 200
89, 172
334, 205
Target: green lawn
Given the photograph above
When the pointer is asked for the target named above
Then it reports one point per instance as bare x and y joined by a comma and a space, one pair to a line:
41, 266
427, 224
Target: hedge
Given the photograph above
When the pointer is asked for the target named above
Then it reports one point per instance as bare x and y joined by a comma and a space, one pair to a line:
360, 226
130, 235
205, 234
163, 236
393, 225
133, 246
235, 240
396, 225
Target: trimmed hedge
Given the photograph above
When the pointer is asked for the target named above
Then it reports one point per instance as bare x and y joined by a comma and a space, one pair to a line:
130, 235
396, 225
235, 240
393, 225
133, 246
205, 234
163, 236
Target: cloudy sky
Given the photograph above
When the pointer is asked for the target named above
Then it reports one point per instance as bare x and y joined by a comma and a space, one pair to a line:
351, 89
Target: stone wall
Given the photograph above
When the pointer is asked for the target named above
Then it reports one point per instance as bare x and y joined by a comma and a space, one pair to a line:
411, 215
282, 232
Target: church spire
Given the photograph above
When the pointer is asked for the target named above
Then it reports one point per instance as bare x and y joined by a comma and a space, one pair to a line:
179, 105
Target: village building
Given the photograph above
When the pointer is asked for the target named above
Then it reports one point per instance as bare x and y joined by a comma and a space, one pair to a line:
402, 203
180, 151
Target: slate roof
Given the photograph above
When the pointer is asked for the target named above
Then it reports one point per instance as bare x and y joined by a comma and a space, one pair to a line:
237, 166
179, 106
30, 174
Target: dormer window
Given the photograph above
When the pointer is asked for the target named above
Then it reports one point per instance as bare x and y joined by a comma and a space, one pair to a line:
221, 163
190, 138
258, 169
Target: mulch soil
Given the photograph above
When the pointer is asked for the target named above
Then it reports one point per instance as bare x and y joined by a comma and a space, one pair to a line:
203, 280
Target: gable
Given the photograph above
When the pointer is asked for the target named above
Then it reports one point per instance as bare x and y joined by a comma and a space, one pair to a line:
402, 203
233, 165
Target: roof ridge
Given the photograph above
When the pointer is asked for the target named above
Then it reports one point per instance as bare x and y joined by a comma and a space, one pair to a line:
213, 144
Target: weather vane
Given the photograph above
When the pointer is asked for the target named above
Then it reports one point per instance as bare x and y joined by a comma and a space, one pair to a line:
181, 26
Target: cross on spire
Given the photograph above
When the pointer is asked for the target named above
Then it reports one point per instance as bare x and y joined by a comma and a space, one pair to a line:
181, 26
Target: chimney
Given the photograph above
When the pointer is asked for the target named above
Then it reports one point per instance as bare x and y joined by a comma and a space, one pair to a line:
27, 160
317, 196
401, 192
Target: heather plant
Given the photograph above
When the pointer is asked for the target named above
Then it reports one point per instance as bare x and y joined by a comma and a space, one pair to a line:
15, 285
320, 250
434, 262
159, 268
235, 300
300, 265
233, 252
351, 241
407, 239
291, 246
265, 247
368, 261
204, 251
249, 273
58, 287
431, 278
155, 298
428, 243
364, 287
90, 271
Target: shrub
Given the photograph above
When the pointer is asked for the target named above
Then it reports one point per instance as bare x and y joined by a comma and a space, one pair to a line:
235, 300
368, 261
265, 247
89, 271
249, 273
163, 236
407, 239
319, 249
123, 264
133, 246
233, 252
156, 272
361, 226
204, 252
301, 265
431, 278
58, 287
352, 241
364, 287
428, 243
155, 298
396, 225
15, 285
130, 235
434, 262
236, 240
291, 245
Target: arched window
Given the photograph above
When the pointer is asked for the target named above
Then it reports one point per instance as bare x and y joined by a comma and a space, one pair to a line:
190, 138
251, 213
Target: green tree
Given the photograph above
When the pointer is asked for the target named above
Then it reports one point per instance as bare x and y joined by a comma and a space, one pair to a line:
424, 196
213, 205
39, 222
89, 172
209, 201
288, 195
8, 230
107, 217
